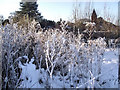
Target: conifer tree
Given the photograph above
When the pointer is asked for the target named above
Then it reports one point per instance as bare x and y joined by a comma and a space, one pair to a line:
30, 9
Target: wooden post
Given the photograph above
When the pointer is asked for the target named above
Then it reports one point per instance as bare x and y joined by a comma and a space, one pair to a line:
0, 59
119, 69
118, 65
119, 46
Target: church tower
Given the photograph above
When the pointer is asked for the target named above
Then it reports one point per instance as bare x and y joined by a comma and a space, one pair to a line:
94, 16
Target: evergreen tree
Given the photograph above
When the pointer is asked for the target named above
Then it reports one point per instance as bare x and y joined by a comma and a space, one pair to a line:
30, 9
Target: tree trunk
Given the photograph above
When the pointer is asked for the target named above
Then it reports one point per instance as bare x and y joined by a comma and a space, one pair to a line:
119, 69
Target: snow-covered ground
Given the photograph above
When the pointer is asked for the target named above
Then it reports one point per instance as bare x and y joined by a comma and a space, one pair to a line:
110, 69
33, 78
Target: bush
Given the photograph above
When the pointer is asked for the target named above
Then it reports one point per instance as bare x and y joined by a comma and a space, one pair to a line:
54, 51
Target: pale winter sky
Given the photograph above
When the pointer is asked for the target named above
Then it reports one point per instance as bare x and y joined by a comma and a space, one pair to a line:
56, 9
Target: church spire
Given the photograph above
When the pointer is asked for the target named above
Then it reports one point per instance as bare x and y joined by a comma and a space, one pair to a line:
94, 16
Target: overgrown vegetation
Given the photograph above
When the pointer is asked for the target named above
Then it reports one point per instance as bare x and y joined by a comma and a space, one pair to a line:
72, 54
53, 50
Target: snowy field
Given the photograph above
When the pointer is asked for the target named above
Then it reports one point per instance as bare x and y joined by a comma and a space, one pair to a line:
33, 78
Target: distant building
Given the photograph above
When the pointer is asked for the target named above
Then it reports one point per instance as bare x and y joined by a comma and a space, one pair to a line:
94, 16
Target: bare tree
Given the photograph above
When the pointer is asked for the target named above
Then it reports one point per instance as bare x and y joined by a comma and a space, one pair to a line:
107, 15
88, 9
76, 11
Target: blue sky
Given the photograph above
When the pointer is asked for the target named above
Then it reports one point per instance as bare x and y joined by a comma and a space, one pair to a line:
56, 9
